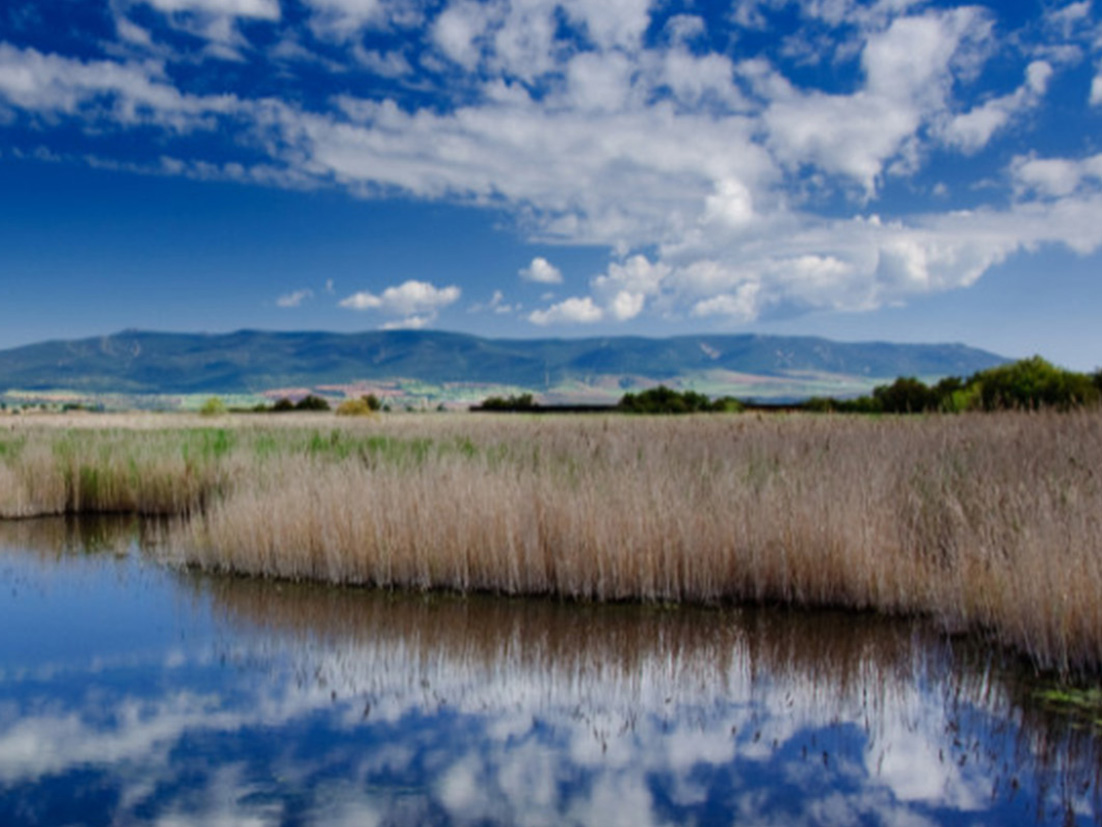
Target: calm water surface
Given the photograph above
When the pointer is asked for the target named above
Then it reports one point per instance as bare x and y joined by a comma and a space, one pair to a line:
133, 693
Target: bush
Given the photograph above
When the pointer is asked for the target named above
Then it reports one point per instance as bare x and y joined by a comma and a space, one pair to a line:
523, 402
312, 403
663, 400
355, 407
905, 395
1028, 384
283, 406
213, 407
1034, 383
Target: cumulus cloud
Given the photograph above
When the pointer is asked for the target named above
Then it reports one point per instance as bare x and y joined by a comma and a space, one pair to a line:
541, 271
1054, 177
294, 298
458, 29
626, 287
418, 302
571, 311
908, 75
971, 131
734, 174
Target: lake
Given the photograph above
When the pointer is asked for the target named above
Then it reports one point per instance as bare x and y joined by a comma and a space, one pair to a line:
132, 692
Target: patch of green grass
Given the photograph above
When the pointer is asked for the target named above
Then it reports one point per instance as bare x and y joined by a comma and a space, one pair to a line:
11, 448
1082, 705
208, 443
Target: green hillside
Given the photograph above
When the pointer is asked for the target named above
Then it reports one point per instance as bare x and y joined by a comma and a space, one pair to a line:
250, 361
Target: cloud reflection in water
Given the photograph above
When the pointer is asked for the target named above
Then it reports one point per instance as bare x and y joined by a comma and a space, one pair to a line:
254, 702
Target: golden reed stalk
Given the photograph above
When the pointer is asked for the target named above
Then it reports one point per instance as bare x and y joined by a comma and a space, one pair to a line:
986, 522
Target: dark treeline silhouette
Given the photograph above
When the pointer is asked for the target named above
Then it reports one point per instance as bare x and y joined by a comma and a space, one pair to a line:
1028, 384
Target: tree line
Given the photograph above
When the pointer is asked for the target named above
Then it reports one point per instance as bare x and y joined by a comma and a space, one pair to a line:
1028, 384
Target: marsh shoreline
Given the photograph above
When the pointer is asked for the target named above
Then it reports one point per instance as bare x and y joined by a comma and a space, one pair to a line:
987, 523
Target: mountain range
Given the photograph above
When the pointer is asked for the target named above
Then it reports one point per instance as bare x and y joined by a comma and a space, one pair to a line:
252, 361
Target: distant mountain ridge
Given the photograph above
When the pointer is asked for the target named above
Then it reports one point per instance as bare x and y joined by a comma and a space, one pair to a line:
142, 362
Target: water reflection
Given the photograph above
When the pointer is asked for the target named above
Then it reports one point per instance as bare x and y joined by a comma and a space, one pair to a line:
177, 698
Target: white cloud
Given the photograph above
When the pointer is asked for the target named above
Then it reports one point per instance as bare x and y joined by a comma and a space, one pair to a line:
626, 305
343, 20
541, 271
1068, 18
294, 298
384, 64
459, 28
972, 130
1096, 89
612, 23
626, 286
411, 299
731, 204
410, 322
570, 311
260, 9
696, 79
738, 306
1054, 177
129, 94
683, 28
215, 21
907, 81
715, 168
599, 82
496, 304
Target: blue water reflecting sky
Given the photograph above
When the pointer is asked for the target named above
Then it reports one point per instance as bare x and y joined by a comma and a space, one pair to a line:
131, 694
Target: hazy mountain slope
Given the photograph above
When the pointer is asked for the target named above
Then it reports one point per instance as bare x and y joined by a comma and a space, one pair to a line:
249, 360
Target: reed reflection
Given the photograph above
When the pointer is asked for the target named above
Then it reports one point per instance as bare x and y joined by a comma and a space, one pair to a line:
272, 703
939, 723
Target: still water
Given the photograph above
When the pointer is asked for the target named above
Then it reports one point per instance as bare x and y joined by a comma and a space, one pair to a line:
135, 693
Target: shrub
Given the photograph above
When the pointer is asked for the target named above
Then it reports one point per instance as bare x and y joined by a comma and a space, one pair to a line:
312, 403
213, 407
1033, 383
663, 400
522, 402
355, 407
283, 406
905, 395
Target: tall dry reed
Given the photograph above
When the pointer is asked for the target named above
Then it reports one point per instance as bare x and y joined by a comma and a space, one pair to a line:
990, 522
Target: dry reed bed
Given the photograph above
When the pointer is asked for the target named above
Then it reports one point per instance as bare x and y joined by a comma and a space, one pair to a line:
989, 522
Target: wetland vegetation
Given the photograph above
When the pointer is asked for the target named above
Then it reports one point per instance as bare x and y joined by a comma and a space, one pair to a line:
987, 523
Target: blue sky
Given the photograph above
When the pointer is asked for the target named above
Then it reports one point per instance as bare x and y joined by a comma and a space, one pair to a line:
900, 170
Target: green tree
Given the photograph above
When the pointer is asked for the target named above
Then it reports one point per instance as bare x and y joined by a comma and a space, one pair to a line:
312, 403
664, 400
213, 407
905, 395
521, 402
1033, 383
